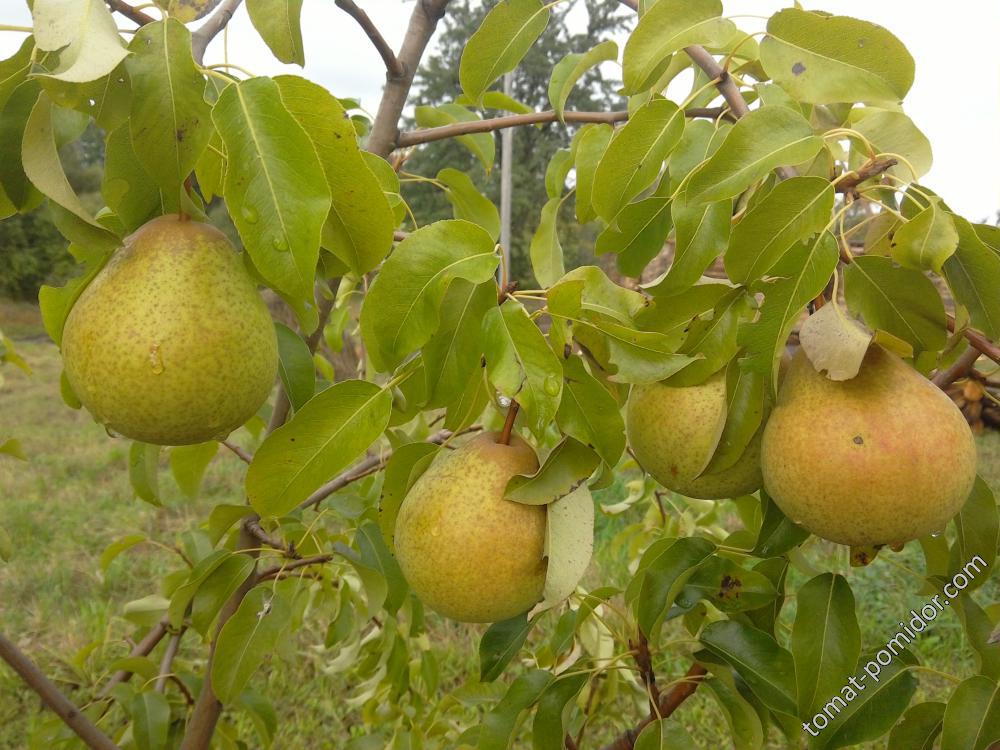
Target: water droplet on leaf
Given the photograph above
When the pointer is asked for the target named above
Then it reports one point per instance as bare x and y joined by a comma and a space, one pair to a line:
552, 385
249, 214
280, 244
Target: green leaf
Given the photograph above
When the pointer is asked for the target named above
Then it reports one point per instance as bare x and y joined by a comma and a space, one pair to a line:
639, 233
977, 528
588, 289
6, 546
482, 145
117, 547
820, 58
170, 120
662, 734
900, 301
727, 586
548, 729
711, 343
143, 471
701, 232
403, 468
520, 364
777, 533
359, 227
13, 120
40, 159
745, 723
973, 274
556, 172
567, 467
635, 156
216, 589
545, 251
834, 343
295, 366
977, 626
589, 413
330, 431
571, 68
150, 720
127, 188
85, 35
569, 544
762, 140
375, 554
808, 268
275, 188
665, 571
499, 644
497, 727
795, 210
56, 302
826, 640
402, 308
279, 24
640, 356
919, 728
894, 133
926, 241
764, 665
501, 41
744, 414
202, 571
592, 142
665, 28
972, 718
246, 639
467, 202
188, 464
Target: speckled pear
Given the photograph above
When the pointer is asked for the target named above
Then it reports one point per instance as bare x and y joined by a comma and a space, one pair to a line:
467, 552
170, 343
882, 458
672, 432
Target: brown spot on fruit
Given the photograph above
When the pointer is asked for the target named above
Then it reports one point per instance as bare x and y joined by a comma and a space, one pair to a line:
858, 440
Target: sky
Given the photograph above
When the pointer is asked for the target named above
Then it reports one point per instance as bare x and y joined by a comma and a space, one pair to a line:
955, 99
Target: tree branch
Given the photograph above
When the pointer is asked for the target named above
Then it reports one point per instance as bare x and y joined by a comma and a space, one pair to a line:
166, 663
243, 455
278, 570
978, 341
394, 68
253, 527
415, 137
385, 128
142, 648
211, 28
668, 704
132, 14
866, 172
53, 699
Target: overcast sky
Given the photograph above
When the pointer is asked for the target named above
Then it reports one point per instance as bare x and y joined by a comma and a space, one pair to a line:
955, 99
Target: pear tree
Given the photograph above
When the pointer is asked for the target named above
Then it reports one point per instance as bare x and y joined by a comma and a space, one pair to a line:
753, 193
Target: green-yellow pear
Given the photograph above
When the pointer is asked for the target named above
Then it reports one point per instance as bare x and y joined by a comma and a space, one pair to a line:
673, 430
882, 458
469, 553
171, 343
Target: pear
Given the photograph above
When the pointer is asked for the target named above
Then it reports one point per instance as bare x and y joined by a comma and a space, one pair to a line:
467, 552
171, 343
882, 458
673, 431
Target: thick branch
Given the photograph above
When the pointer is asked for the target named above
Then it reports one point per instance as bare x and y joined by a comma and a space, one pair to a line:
51, 697
132, 14
668, 704
385, 128
393, 67
427, 135
211, 28
960, 368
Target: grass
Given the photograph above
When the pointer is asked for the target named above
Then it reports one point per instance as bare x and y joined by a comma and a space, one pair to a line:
72, 498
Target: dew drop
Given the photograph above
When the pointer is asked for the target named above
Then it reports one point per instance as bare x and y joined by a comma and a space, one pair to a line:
280, 244
155, 358
111, 433
92, 102
552, 385
249, 214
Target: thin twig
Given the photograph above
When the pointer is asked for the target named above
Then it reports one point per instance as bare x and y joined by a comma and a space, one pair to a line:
132, 14
53, 699
959, 368
866, 172
166, 663
142, 648
979, 341
278, 570
211, 28
394, 68
253, 527
244, 456
508, 424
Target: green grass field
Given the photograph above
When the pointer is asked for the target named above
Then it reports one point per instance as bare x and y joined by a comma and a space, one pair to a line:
72, 498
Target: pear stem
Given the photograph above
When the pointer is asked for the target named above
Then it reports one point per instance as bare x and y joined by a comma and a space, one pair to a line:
508, 425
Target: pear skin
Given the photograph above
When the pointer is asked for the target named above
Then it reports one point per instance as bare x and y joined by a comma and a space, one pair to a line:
882, 458
672, 432
170, 343
466, 551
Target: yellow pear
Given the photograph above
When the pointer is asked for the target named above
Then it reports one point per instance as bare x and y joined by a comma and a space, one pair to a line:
673, 430
467, 552
170, 343
882, 458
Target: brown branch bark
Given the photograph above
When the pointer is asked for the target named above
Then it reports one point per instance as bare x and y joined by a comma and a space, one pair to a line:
278, 570
216, 22
136, 16
385, 128
866, 172
508, 424
53, 699
142, 648
961, 367
393, 67
668, 704
243, 455
253, 527
978, 341
166, 663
